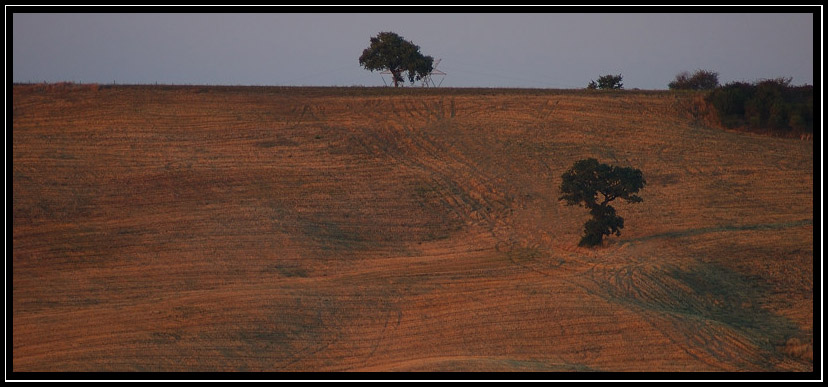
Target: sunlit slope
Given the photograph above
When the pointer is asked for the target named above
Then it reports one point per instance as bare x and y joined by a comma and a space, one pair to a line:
282, 229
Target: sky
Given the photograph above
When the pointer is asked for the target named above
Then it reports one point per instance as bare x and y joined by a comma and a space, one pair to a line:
524, 50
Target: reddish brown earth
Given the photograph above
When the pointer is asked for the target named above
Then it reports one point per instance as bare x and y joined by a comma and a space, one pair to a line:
304, 229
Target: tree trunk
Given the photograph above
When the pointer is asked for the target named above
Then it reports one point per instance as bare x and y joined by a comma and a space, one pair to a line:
396, 75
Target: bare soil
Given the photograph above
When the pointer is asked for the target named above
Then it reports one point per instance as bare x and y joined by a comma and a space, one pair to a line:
369, 229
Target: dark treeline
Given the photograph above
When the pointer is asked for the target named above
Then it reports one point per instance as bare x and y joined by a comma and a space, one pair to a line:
771, 104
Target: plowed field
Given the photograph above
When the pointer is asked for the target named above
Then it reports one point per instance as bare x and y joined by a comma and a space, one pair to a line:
347, 229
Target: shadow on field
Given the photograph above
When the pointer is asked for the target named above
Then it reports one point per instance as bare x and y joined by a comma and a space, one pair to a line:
707, 230
715, 314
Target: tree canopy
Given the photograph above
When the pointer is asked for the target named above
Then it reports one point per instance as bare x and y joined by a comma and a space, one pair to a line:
594, 185
389, 51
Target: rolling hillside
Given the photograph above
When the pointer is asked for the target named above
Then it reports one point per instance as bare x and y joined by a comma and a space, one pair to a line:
161, 228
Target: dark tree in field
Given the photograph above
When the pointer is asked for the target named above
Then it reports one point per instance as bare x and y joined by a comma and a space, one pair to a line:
586, 180
389, 51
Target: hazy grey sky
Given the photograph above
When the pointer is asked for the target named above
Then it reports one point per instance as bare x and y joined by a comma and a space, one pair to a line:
549, 50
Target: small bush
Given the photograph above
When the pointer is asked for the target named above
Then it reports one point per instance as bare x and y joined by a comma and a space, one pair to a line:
700, 80
610, 82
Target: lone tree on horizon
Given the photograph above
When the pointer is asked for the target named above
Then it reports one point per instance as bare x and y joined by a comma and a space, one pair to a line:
588, 178
389, 51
